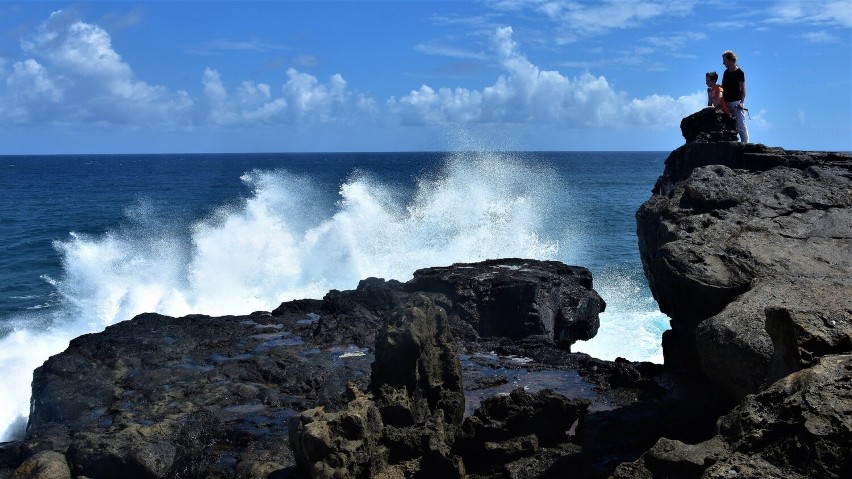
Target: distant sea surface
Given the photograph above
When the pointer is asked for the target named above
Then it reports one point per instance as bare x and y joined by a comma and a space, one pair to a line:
88, 241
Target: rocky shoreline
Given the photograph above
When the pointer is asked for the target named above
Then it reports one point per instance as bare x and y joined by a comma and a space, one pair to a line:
466, 370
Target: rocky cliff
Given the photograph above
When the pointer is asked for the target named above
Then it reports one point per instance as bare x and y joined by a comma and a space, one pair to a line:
749, 250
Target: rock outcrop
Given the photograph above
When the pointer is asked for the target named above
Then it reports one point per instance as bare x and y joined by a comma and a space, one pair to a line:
511, 299
800, 427
747, 249
365, 378
406, 425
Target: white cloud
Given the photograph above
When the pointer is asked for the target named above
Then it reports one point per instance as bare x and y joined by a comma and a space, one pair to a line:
439, 49
29, 79
818, 12
527, 94
303, 99
82, 79
81, 68
312, 101
75, 76
32, 93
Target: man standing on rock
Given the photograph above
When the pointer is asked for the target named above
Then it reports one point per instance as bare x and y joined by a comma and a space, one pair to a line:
734, 91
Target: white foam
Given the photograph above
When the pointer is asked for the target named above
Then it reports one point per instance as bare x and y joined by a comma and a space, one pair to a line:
20, 353
632, 325
278, 245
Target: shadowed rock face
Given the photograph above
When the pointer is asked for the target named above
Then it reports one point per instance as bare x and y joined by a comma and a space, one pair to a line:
407, 423
797, 428
410, 423
709, 126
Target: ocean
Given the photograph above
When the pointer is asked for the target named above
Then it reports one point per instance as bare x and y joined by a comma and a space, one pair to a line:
88, 241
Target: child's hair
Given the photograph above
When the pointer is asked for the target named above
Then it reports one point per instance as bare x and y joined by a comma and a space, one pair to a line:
712, 75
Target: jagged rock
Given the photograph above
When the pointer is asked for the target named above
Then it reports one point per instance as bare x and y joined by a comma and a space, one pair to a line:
356, 316
195, 396
44, 465
709, 125
507, 430
342, 444
417, 385
799, 427
10, 457
417, 366
406, 426
517, 298
721, 243
800, 337
746, 248
203, 396
672, 458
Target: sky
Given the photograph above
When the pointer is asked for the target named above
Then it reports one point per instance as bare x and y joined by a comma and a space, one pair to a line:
295, 76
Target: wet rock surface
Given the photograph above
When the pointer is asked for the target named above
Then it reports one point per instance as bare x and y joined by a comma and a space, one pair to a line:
380, 378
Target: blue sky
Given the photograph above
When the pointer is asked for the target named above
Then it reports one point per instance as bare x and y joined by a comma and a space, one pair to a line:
194, 76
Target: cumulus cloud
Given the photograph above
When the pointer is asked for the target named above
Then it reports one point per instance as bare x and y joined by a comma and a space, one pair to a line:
526, 93
74, 62
74, 75
302, 99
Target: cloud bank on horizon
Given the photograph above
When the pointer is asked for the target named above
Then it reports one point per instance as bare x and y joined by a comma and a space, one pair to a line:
71, 82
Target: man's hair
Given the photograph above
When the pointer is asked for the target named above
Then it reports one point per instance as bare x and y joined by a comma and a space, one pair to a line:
712, 75
730, 56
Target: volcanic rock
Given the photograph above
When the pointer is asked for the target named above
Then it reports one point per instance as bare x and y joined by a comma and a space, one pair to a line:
747, 249
203, 396
516, 298
709, 125
725, 238
799, 427
407, 424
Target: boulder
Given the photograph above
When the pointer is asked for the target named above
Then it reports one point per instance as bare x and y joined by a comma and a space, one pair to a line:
417, 367
44, 465
340, 444
516, 298
709, 125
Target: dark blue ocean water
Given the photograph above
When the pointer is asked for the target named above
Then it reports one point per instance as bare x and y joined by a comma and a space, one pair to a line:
88, 241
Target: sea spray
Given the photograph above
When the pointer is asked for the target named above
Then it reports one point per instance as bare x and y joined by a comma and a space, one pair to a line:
285, 241
632, 324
